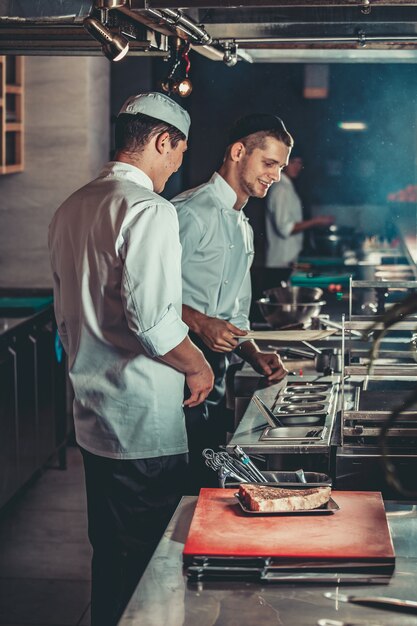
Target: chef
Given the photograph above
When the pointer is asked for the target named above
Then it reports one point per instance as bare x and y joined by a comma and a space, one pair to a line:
217, 252
115, 255
284, 218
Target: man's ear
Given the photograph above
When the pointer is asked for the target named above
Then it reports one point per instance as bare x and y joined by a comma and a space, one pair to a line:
237, 151
162, 142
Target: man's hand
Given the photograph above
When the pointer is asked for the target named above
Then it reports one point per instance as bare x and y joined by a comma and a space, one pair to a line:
217, 334
323, 220
200, 384
187, 358
269, 364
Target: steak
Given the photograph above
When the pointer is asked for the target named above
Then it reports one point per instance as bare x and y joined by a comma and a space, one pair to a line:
276, 499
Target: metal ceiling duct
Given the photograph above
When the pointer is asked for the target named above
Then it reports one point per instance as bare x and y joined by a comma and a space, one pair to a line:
258, 30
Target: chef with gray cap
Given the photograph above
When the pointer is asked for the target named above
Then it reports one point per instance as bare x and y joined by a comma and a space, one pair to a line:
116, 262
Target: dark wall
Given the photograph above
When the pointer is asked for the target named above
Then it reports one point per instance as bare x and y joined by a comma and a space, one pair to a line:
341, 168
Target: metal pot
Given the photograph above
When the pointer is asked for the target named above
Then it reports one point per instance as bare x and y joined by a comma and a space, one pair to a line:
332, 241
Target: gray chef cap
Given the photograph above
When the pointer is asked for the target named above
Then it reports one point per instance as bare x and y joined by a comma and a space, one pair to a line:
160, 107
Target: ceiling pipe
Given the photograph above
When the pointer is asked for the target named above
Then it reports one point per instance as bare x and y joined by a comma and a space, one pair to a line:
184, 23
169, 22
158, 19
360, 38
273, 4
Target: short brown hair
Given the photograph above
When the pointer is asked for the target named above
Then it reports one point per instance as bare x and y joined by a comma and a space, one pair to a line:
257, 140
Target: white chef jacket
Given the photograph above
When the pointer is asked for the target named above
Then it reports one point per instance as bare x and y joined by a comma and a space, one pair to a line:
116, 260
283, 211
217, 252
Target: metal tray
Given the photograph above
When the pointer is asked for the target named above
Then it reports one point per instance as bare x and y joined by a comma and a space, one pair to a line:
286, 479
293, 433
328, 509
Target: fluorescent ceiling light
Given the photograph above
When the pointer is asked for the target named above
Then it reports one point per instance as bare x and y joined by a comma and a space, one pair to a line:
353, 125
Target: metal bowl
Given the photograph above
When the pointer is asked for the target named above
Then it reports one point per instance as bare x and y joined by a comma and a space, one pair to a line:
293, 295
279, 315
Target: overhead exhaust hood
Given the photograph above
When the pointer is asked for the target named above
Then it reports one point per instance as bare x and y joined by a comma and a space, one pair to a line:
256, 30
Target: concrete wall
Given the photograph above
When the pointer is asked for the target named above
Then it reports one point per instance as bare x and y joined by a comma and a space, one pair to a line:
67, 133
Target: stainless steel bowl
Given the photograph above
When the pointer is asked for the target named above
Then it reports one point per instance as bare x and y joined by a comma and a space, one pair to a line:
293, 295
279, 315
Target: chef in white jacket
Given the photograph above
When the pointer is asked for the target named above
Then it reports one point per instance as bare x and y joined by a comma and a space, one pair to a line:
116, 262
285, 224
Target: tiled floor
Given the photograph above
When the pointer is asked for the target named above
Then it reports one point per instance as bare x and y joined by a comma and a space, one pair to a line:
44, 552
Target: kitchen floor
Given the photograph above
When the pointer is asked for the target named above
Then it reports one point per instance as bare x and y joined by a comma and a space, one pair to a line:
44, 551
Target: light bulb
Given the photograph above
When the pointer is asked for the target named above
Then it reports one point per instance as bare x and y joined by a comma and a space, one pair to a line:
183, 87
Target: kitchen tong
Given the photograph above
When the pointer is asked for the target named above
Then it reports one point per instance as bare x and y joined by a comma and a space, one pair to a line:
378, 602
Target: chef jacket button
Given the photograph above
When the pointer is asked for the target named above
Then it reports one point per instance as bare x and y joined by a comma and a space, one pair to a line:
231, 245
226, 282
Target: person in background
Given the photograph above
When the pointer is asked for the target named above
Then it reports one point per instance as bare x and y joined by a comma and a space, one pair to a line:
284, 218
217, 252
116, 262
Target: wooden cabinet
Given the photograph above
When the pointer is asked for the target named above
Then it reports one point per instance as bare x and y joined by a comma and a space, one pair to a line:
9, 465
33, 419
11, 114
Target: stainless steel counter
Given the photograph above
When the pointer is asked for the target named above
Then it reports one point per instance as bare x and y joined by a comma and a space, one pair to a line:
253, 424
164, 596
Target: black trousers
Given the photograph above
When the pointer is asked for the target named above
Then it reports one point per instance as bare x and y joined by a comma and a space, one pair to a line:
129, 503
207, 423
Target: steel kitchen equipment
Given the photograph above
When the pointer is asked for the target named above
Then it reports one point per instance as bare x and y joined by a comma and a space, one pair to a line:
307, 407
369, 397
289, 306
272, 419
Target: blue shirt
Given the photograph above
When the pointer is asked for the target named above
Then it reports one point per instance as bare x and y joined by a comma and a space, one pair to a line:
217, 252
116, 260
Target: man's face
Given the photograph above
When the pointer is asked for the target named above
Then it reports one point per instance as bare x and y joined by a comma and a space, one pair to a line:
172, 161
294, 167
262, 167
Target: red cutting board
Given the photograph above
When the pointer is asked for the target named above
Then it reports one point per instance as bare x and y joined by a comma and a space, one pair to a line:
358, 531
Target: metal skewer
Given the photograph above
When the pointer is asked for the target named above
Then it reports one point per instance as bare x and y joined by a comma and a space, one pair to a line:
239, 452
